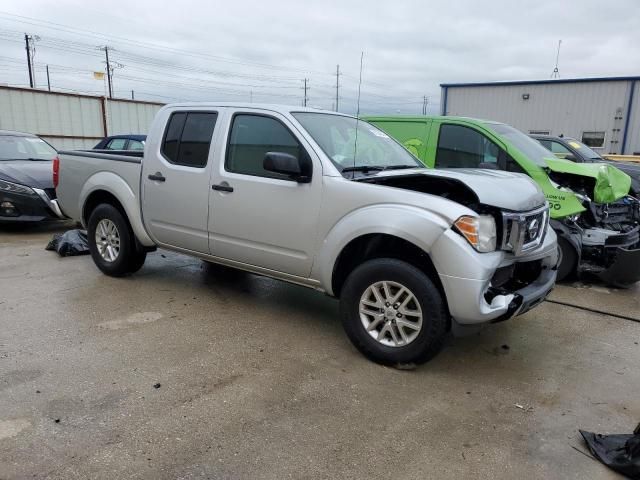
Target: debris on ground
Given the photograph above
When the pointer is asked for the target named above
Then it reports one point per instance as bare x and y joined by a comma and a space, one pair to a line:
69, 243
523, 407
156, 386
620, 452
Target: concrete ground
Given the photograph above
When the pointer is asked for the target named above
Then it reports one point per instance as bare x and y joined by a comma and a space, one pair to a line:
255, 379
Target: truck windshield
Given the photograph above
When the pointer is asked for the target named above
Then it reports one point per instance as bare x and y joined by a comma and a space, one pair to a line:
374, 151
527, 145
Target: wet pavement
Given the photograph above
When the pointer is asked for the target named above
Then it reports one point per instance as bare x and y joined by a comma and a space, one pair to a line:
190, 371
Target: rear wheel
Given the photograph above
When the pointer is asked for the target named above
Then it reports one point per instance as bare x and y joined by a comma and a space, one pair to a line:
393, 313
568, 261
112, 244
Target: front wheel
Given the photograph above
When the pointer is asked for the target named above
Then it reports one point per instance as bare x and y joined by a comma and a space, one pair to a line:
393, 313
112, 243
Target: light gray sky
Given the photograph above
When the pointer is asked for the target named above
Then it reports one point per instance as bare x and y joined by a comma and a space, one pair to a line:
261, 50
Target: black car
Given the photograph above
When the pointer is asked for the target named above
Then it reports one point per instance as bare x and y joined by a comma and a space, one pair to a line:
122, 142
26, 178
576, 151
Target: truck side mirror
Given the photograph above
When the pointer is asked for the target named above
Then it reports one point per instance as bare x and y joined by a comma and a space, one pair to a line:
571, 157
298, 169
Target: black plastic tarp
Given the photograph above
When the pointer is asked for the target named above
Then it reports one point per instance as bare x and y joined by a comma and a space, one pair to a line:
620, 452
69, 243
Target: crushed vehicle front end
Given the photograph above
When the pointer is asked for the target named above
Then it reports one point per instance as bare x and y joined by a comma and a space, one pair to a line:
606, 233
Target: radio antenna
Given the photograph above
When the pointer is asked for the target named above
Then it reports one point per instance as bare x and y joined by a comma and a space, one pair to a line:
556, 72
355, 144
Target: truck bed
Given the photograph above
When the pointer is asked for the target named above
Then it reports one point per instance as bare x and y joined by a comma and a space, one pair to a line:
84, 172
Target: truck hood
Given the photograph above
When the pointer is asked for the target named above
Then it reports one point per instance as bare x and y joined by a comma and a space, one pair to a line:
504, 190
609, 183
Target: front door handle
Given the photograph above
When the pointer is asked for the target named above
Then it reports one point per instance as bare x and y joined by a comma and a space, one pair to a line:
222, 187
157, 177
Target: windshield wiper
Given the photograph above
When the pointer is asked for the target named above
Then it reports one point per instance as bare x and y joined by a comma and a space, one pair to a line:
363, 168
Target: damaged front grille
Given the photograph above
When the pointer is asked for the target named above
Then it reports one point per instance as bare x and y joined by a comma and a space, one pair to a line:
524, 231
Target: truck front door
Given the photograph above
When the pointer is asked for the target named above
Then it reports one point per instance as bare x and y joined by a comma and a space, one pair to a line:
259, 217
175, 181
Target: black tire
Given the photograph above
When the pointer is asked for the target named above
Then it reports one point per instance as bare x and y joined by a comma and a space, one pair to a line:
568, 259
430, 337
130, 257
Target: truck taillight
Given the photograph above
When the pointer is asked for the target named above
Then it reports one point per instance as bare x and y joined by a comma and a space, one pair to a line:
56, 172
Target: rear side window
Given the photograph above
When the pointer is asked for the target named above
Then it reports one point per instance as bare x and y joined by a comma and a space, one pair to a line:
188, 137
117, 144
252, 136
463, 147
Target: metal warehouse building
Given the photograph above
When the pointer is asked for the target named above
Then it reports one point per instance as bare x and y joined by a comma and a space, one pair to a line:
602, 112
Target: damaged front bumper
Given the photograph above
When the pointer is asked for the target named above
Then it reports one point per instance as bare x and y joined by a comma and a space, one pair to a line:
508, 286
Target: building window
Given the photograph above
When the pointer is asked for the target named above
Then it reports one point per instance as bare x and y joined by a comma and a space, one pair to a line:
539, 132
593, 139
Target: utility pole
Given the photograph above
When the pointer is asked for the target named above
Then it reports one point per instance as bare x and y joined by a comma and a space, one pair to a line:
48, 79
337, 85
109, 69
133, 97
425, 102
27, 41
306, 87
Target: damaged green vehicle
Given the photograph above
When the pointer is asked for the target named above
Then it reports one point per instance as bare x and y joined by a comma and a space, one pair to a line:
595, 218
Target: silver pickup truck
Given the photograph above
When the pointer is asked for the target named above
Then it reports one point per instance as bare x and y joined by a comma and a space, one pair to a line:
326, 201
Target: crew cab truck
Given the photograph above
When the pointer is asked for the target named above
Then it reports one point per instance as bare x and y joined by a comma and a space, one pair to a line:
326, 201
595, 218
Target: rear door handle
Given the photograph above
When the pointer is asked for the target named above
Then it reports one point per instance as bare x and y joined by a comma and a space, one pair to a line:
222, 187
157, 177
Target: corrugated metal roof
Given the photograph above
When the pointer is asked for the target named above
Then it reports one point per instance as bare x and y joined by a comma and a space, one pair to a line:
541, 82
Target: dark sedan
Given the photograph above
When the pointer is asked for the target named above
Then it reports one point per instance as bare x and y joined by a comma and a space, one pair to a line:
26, 178
576, 151
122, 142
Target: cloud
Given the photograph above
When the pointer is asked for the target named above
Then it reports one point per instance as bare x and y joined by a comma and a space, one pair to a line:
177, 50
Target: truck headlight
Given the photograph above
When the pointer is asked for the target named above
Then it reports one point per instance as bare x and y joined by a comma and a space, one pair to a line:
15, 188
479, 231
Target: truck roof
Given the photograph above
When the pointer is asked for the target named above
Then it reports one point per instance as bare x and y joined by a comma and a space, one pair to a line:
274, 107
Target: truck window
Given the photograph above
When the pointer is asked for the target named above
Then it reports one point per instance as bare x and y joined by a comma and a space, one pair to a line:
188, 137
252, 136
463, 147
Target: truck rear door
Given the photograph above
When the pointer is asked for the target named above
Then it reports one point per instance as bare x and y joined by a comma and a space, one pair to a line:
260, 217
175, 180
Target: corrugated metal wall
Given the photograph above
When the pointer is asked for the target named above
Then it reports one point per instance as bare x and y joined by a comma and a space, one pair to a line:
70, 121
633, 132
563, 108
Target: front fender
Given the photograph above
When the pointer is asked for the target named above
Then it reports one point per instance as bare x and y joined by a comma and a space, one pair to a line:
118, 187
416, 225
